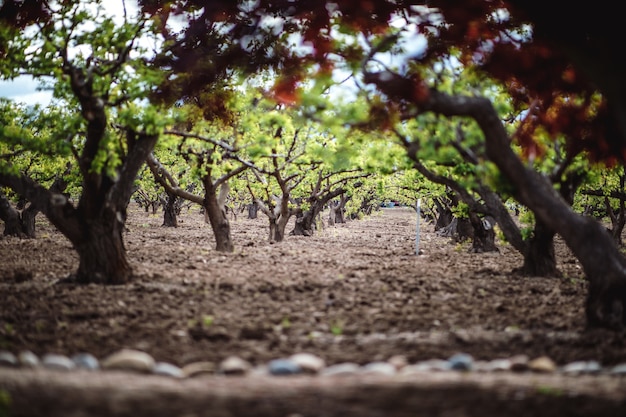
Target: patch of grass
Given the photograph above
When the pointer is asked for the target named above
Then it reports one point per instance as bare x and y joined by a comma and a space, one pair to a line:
5, 403
285, 323
550, 391
337, 327
207, 320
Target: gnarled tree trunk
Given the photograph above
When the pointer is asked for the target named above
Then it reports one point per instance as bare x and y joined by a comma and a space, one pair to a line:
170, 218
214, 208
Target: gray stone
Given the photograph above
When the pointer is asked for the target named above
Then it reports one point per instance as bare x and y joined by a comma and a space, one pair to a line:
168, 369
619, 369
582, 367
7, 358
58, 362
86, 361
461, 362
499, 365
379, 368
129, 360
428, 366
341, 369
283, 367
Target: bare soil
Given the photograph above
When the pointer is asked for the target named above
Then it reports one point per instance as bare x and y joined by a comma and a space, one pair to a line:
353, 292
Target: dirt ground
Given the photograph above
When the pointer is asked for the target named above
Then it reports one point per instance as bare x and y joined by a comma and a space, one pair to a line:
354, 292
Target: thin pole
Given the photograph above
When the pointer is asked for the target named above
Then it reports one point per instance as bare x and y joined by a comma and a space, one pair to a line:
417, 229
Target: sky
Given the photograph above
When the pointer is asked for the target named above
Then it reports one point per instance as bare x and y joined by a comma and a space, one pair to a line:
24, 90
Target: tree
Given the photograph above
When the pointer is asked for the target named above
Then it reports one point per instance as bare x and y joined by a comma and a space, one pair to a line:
95, 73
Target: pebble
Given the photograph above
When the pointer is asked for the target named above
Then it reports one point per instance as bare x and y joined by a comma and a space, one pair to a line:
7, 359
379, 368
308, 363
86, 361
301, 363
431, 365
28, 359
234, 365
461, 362
283, 367
168, 369
129, 360
341, 369
618, 369
582, 367
519, 363
398, 361
542, 364
499, 365
195, 369
58, 362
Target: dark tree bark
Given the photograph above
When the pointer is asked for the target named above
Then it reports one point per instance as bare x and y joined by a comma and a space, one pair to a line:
218, 219
444, 214
484, 235
11, 217
170, 211
253, 210
603, 263
539, 255
305, 220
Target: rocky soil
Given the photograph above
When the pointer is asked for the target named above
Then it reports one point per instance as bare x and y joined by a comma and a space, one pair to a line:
354, 292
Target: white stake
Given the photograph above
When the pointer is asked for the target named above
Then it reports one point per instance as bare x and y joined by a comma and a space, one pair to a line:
417, 229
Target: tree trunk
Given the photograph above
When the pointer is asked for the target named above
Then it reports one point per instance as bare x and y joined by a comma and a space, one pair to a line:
484, 235
305, 225
102, 254
11, 218
170, 209
28, 220
539, 258
253, 210
218, 220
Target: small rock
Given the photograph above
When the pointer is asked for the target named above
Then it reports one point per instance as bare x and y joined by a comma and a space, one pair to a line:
379, 368
7, 359
86, 361
341, 369
499, 365
129, 360
58, 362
194, 369
28, 359
542, 364
461, 362
168, 369
398, 361
618, 369
308, 362
261, 370
582, 367
519, 363
427, 366
234, 365
283, 367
